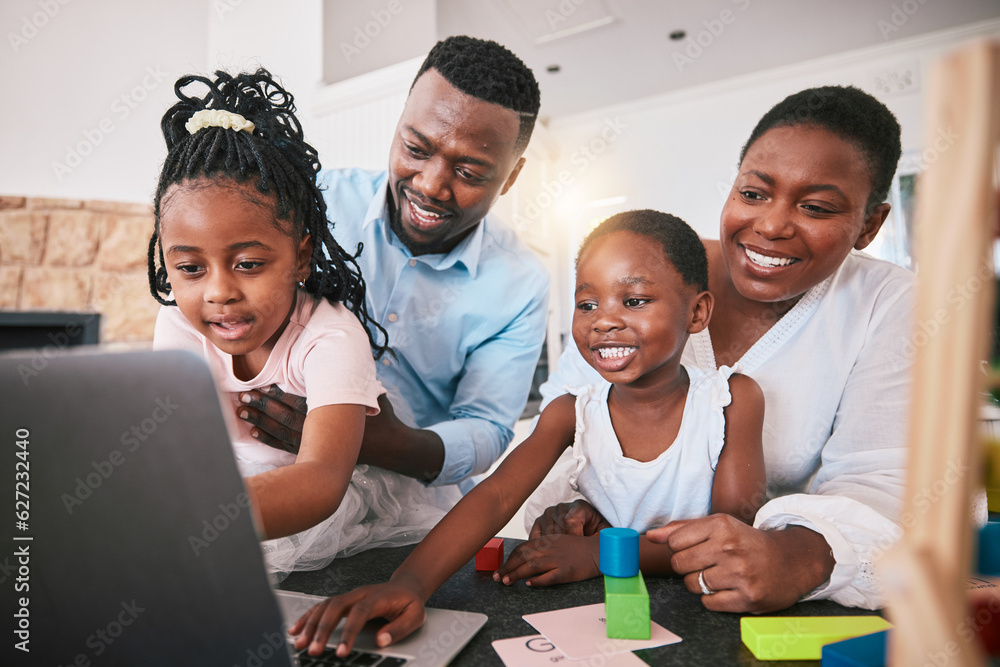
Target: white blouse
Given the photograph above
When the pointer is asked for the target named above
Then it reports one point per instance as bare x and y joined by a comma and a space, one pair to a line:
677, 484
835, 372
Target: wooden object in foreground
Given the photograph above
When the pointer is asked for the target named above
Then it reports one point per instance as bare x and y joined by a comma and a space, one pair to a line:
925, 574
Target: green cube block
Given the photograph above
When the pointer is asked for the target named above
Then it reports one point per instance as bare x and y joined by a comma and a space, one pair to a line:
802, 637
626, 607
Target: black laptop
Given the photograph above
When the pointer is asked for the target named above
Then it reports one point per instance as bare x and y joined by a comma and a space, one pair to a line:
127, 535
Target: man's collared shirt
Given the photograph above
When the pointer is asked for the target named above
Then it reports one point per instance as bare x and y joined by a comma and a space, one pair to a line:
466, 326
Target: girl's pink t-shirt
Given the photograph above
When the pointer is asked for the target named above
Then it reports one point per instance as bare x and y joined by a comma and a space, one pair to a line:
323, 354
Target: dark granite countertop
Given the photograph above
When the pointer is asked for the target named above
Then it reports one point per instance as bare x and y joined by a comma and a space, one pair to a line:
708, 638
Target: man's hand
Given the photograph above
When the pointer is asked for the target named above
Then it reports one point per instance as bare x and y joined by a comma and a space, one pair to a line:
382, 432
391, 444
747, 570
277, 416
396, 602
575, 518
552, 559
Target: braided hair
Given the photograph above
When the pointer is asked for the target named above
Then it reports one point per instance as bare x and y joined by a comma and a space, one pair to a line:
278, 161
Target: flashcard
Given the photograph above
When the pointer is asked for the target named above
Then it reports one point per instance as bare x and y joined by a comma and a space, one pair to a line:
537, 651
580, 632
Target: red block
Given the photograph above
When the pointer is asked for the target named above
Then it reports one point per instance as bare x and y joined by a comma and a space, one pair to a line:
984, 614
490, 556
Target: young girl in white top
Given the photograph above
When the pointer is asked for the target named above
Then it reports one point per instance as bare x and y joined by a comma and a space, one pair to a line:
654, 441
250, 277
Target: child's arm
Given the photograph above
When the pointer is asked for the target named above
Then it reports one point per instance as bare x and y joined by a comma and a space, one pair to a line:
455, 539
740, 483
299, 496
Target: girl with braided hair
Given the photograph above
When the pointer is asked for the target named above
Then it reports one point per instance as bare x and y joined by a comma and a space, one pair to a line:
250, 277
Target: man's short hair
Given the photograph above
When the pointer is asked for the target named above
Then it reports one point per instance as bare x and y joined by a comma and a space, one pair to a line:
490, 72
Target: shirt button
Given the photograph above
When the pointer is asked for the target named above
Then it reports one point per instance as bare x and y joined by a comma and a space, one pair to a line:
385, 361
393, 317
413, 262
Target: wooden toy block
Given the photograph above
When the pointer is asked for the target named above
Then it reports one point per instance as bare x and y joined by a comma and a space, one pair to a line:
490, 556
626, 607
989, 549
619, 552
993, 498
802, 637
863, 651
983, 617
991, 454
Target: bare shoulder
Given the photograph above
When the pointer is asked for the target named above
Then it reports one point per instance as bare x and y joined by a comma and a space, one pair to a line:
747, 396
553, 432
559, 413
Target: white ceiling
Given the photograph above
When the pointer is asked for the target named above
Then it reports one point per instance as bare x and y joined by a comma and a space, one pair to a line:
621, 49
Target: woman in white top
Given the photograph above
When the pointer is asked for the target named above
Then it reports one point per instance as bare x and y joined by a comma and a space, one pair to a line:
827, 333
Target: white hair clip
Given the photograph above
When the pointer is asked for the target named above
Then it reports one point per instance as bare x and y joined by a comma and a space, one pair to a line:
218, 118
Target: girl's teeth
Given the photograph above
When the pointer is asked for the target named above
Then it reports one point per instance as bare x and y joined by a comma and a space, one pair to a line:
615, 352
764, 260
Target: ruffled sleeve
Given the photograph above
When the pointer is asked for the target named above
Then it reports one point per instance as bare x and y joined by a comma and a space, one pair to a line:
719, 397
586, 396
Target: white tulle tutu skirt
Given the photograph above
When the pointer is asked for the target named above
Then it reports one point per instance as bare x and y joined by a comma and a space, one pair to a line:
380, 509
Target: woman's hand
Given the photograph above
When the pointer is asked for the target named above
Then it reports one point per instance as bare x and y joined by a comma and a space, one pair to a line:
552, 559
395, 601
747, 570
574, 518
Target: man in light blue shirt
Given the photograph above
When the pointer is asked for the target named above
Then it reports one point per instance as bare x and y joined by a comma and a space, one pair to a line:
466, 325
464, 301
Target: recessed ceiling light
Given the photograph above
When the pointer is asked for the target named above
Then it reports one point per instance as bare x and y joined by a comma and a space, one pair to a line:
553, 69
677, 35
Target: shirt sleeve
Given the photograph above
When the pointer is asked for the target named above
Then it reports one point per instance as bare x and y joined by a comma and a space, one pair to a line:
338, 369
492, 391
855, 498
172, 332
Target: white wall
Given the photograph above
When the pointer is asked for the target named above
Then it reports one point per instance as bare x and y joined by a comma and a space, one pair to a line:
286, 38
86, 83
366, 35
84, 87
678, 152
356, 119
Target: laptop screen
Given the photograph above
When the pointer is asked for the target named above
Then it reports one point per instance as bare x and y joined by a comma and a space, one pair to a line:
133, 542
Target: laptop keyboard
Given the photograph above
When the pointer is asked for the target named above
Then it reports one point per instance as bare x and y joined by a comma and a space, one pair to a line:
352, 659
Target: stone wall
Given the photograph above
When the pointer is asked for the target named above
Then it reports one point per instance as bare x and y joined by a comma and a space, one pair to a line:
79, 256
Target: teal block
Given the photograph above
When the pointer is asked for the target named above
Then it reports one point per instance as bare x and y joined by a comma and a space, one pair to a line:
619, 552
864, 651
626, 607
989, 549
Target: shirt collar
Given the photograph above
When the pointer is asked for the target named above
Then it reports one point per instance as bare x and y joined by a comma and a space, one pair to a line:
467, 253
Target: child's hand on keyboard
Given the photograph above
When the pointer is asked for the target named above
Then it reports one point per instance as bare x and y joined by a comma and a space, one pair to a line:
397, 601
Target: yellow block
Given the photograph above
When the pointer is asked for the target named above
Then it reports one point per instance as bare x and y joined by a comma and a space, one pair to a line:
802, 637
